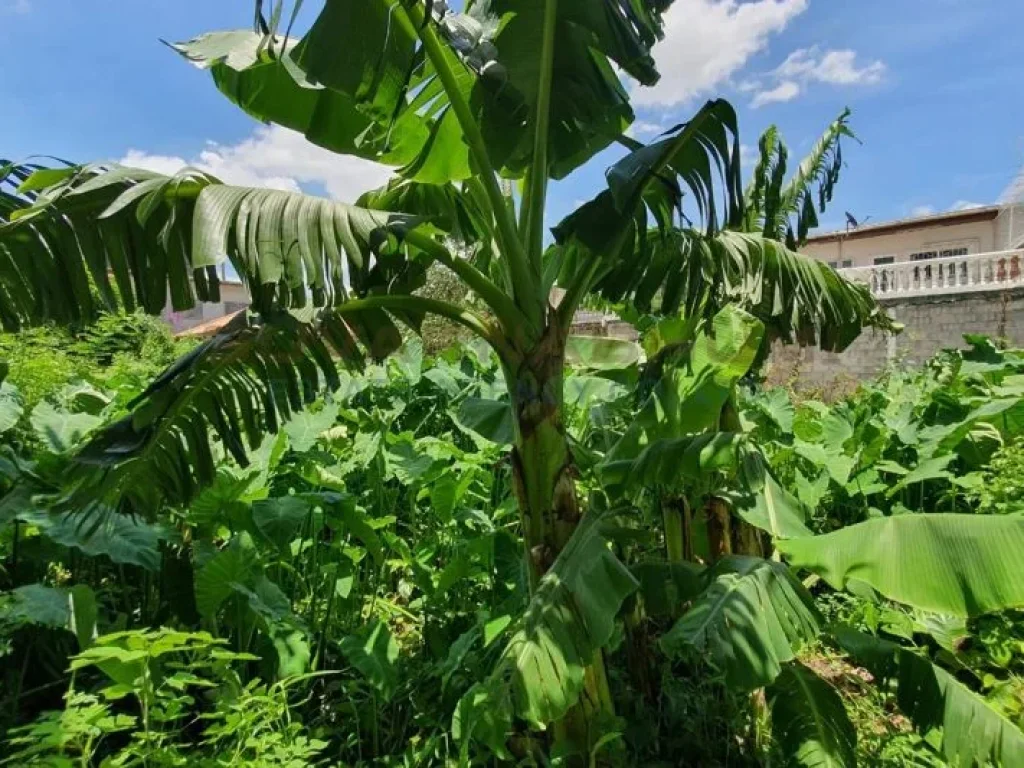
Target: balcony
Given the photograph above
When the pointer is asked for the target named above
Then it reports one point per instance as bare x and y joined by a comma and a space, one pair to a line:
934, 277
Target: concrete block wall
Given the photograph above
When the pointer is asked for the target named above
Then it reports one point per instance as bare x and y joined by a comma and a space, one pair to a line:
931, 325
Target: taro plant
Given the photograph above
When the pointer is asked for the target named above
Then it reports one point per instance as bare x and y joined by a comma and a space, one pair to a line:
478, 111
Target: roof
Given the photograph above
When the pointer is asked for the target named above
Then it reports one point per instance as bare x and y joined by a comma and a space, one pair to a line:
209, 328
948, 219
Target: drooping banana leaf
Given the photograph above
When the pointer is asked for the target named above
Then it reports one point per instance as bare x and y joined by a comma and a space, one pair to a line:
366, 79
959, 565
752, 619
665, 587
133, 238
702, 266
239, 385
798, 297
973, 732
699, 158
571, 616
809, 720
162, 236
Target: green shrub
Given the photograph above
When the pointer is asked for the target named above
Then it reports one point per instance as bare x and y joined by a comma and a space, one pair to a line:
1003, 489
117, 351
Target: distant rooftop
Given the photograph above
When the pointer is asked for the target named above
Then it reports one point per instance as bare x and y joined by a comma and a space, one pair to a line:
984, 213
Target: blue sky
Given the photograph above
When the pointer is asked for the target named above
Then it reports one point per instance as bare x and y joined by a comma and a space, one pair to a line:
935, 86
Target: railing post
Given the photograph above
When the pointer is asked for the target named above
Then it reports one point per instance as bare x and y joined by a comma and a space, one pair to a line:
951, 274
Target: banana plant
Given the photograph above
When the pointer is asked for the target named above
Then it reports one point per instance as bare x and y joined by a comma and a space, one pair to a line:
787, 210
682, 356
477, 111
752, 618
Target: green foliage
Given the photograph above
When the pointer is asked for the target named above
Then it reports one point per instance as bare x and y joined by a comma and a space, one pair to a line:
810, 720
1001, 490
166, 676
752, 618
117, 352
370, 539
76, 731
958, 565
972, 731
189, 550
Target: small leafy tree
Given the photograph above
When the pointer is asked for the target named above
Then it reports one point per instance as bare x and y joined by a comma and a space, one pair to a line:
477, 111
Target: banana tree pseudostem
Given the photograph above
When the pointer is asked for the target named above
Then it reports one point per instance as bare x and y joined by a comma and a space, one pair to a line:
477, 111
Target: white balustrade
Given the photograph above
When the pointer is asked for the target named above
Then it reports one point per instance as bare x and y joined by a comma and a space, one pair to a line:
955, 274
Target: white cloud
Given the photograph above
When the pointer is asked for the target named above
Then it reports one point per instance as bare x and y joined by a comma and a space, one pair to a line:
1014, 192
787, 90
965, 205
708, 41
277, 158
834, 67
644, 128
811, 65
931, 210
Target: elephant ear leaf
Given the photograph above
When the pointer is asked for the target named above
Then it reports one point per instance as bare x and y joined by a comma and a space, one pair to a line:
688, 398
571, 616
809, 721
72, 609
12, 406
374, 652
958, 565
753, 618
973, 733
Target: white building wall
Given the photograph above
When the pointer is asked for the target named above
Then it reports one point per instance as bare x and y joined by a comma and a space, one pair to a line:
1009, 226
233, 297
861, 250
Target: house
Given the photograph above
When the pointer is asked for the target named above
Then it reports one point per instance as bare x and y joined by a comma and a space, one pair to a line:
974, 249
942, 276
205, 319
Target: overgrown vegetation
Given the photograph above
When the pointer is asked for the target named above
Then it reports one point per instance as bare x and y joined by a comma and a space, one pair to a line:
339, 600
306, 542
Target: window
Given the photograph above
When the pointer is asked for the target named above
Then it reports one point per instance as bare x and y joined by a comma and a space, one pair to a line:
940, 253
881, 260
946, 250
847, 263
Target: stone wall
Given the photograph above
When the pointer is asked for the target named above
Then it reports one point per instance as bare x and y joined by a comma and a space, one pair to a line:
932, 323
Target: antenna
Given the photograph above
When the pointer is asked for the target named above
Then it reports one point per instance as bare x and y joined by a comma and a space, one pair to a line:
852, 223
